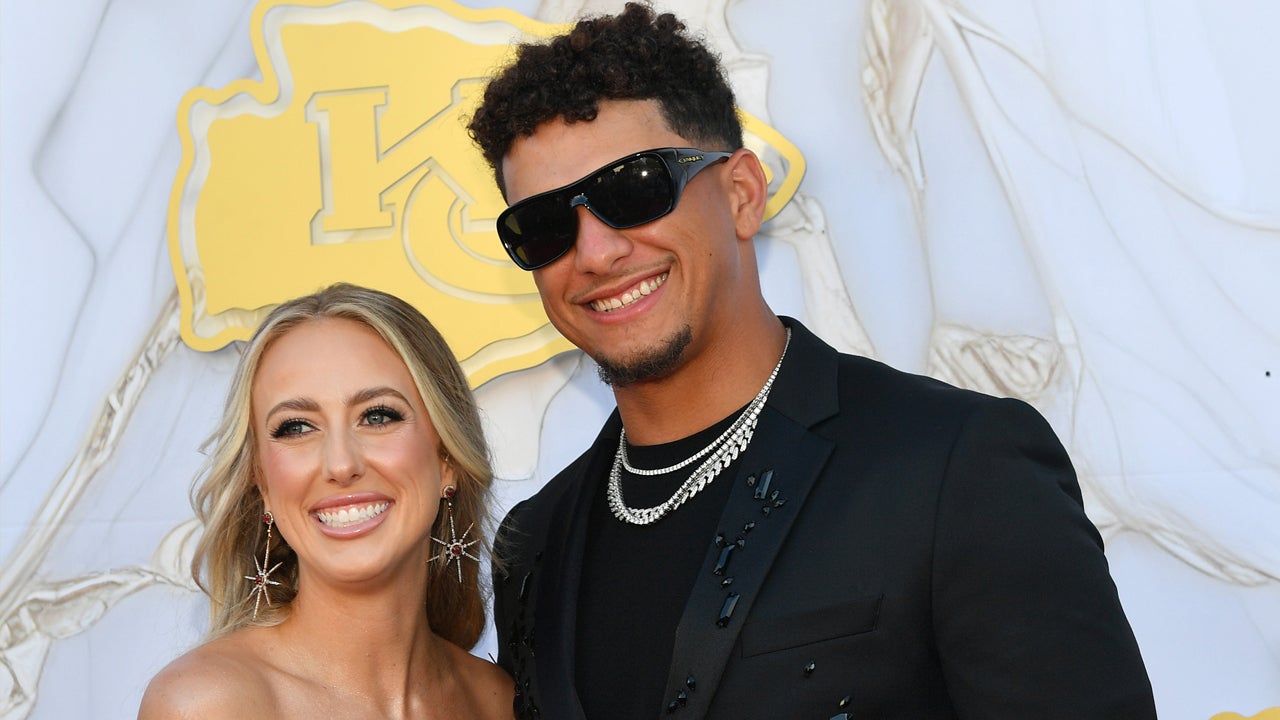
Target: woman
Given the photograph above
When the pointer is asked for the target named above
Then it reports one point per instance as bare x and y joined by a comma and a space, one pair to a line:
342, 507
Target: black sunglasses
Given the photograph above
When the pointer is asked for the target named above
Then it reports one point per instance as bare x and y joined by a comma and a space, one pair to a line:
625, 193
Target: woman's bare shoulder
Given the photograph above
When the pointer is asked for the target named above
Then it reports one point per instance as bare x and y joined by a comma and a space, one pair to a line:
220, 679
490, 687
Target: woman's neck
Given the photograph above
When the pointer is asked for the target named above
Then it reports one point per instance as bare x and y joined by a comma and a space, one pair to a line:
376, 645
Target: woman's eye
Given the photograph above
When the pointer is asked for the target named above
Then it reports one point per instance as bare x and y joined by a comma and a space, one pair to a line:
381, 416
289, 428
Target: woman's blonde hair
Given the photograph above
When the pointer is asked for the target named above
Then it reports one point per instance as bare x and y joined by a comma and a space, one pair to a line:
227, 501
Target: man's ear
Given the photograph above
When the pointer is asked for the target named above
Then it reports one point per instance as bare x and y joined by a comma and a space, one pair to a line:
750, 190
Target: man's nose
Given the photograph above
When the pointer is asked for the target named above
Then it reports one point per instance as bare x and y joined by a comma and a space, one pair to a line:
598, 246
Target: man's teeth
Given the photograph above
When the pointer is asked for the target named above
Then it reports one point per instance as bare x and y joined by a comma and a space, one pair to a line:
629, 297
348, 516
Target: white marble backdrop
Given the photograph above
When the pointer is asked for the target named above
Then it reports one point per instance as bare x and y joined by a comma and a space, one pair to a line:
1074, 203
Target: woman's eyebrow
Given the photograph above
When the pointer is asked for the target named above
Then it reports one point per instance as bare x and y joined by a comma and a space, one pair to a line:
295, 404
368, 394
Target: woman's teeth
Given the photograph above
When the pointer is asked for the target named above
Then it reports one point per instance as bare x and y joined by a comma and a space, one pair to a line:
348, 516
629, 297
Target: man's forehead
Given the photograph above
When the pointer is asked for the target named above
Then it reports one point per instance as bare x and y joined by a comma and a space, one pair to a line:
559, 152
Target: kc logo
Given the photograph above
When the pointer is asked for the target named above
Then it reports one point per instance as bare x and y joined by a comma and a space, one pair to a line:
350, 161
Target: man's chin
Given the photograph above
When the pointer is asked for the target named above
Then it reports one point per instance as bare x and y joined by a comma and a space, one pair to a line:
651, 365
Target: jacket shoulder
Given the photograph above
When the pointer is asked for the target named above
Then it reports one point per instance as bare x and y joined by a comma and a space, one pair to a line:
532, 516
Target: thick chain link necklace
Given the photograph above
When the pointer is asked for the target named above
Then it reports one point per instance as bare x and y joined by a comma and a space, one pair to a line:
723, 451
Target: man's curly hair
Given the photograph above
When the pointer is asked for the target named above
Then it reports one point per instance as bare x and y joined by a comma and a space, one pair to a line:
636, 55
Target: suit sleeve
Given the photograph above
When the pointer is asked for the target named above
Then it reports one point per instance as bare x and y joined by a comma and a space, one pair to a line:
1027, 618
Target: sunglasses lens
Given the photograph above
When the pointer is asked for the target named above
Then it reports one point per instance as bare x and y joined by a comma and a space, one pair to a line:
539, 232
631, 193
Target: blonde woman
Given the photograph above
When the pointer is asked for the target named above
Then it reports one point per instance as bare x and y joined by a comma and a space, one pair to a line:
342, 507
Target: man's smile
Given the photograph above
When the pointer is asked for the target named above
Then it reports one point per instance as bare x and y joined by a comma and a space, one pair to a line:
631, 295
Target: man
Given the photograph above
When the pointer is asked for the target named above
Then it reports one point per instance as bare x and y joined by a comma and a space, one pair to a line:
765, 528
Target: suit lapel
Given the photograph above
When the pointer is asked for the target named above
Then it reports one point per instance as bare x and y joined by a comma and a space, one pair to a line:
561, 571
777, 472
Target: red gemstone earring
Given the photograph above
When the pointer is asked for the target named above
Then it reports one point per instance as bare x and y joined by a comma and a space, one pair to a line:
456, 548
263, 578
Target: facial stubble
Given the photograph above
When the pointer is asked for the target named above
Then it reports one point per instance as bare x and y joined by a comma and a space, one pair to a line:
655, 364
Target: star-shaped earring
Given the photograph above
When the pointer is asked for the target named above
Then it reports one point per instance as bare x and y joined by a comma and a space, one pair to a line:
456, 548
263, 578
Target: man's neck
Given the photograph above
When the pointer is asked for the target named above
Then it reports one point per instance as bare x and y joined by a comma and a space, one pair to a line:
714, 383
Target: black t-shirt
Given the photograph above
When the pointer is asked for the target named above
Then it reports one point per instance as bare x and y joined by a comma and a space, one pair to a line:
636, 579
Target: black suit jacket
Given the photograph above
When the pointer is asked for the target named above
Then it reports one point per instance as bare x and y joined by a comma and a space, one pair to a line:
900, 548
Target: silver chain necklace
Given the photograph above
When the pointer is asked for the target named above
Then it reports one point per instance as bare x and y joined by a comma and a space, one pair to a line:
723, 451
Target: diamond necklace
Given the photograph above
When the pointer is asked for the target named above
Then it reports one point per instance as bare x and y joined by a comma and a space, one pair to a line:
723, 451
